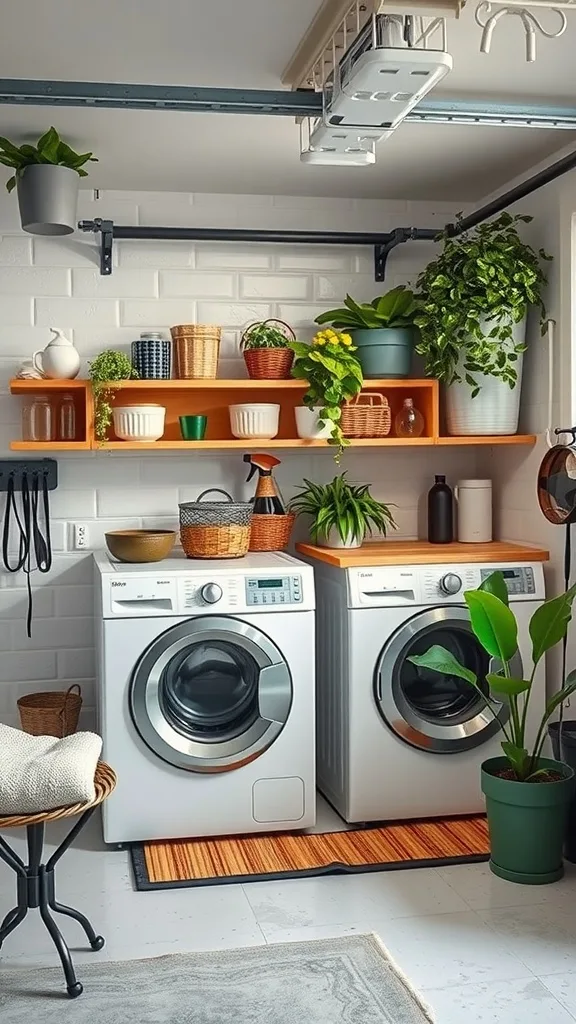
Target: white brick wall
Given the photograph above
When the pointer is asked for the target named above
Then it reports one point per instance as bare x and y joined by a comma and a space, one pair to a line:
56, 282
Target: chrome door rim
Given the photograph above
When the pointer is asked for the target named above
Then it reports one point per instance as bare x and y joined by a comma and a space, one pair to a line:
392, 704
211, 755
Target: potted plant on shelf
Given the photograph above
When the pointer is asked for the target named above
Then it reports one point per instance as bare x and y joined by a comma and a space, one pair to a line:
46, 177
382, 330
264, 346
108, 367
342, 513
527, 795
334, 376
474, 299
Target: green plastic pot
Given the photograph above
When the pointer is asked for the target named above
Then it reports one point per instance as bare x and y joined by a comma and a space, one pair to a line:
527, 823
385, 351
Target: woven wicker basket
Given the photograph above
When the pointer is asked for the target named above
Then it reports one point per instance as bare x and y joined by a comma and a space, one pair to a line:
268, 363
270, 533
367, 415
51, 714
195, 349
215, 529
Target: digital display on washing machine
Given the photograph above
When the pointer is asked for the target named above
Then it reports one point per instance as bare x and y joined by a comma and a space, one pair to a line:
519, 580
270, 583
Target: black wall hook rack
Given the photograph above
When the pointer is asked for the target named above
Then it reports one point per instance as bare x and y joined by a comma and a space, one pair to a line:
40, 469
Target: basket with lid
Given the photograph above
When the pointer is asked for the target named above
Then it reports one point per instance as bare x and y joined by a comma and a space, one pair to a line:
215, 529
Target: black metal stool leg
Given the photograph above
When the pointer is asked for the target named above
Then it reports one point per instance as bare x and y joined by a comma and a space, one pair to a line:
11, 921
73, 986
96, 941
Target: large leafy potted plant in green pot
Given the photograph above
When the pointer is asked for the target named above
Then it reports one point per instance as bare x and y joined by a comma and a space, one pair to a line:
474, 299
46, 177
334, 376
382, 330
527, 795
342, 513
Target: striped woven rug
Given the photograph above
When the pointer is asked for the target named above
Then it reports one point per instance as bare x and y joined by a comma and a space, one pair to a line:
183, 862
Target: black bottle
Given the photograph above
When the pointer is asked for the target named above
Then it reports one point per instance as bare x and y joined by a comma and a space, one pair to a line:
440, 512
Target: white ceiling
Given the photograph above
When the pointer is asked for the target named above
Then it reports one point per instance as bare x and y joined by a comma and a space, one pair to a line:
247, 44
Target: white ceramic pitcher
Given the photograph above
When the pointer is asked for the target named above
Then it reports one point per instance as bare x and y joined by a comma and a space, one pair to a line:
59, 360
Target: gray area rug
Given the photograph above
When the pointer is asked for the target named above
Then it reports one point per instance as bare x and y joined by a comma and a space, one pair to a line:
351, 980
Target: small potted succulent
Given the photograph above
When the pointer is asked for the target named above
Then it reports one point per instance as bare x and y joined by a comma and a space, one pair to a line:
108, 367
382, 330
473, 301
527, 795
334, 376
342, 513
264, 346
46, 177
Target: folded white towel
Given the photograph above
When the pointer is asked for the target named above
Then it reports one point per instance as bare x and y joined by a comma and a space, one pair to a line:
38, 773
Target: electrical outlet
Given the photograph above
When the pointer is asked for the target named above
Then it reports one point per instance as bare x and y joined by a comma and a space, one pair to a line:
81, 538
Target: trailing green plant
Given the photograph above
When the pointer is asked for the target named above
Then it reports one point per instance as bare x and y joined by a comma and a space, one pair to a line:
104, 370
470, 298
50, 149
348, 508
265, 335
494, 625
334, 376
397, 308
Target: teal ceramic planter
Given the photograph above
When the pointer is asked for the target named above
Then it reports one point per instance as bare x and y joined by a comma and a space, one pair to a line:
527, 823
385, 351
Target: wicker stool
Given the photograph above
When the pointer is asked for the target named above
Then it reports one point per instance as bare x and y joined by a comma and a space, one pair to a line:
35, 881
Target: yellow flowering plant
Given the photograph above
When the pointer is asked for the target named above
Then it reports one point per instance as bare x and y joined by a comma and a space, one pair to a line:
334, 376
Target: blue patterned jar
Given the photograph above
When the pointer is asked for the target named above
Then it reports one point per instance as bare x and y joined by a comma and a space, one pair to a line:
151, 356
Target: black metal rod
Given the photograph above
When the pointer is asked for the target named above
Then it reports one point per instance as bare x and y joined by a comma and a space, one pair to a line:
253, 235
525, 188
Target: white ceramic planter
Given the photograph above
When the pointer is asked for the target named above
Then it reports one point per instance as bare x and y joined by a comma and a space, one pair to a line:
254, 420
307, 424
334, 540
139, 422
496, 407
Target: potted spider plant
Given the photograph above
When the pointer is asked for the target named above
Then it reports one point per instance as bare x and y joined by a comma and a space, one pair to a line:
104, 370
382, 330
265, 347
528, 795
46, 177
334, 376
342, 513
474, 300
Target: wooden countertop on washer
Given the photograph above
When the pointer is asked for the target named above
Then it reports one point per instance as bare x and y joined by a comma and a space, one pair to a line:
420, 552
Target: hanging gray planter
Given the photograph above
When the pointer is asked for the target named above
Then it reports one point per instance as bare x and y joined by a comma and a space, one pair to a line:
48, 197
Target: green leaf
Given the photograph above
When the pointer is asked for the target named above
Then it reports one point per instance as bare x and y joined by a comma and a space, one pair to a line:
507, 687
549, 623
493, 624
439, 659
496, 584
518, 758
11, 184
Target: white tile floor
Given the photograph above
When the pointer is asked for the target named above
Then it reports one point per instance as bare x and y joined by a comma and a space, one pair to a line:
480, 950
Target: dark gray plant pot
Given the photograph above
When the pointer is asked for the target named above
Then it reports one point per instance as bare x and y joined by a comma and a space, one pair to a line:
385, 351
48, 197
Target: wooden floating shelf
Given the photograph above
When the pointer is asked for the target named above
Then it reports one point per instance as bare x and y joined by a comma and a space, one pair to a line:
415, 552
212, 396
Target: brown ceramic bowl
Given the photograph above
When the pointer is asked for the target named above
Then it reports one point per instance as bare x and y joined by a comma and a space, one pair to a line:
140, 545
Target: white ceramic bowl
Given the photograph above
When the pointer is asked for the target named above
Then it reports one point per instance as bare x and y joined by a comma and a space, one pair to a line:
307, 425
254, 419
139, 422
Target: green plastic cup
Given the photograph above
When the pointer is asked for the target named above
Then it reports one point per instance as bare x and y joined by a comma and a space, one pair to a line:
193, 428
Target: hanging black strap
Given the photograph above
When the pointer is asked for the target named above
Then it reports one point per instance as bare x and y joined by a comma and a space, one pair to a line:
31, 538
567, 574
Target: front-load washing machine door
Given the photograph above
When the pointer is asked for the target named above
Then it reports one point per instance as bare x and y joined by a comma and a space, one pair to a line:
210, 694
438, 713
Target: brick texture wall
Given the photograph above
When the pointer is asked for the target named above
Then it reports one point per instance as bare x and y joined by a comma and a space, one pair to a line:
56, 282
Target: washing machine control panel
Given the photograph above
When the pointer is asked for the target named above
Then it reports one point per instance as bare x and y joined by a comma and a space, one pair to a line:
519, 580
268, 590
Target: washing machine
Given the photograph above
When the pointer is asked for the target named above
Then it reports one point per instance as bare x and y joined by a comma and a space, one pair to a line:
396, 741
206, 695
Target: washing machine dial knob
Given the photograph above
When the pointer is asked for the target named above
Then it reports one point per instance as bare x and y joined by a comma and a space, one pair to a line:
450, 583
211, 593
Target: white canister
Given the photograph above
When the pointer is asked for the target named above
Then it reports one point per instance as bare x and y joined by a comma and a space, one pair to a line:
474, 503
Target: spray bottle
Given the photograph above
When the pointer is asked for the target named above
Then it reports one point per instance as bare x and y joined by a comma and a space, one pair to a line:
267, 500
